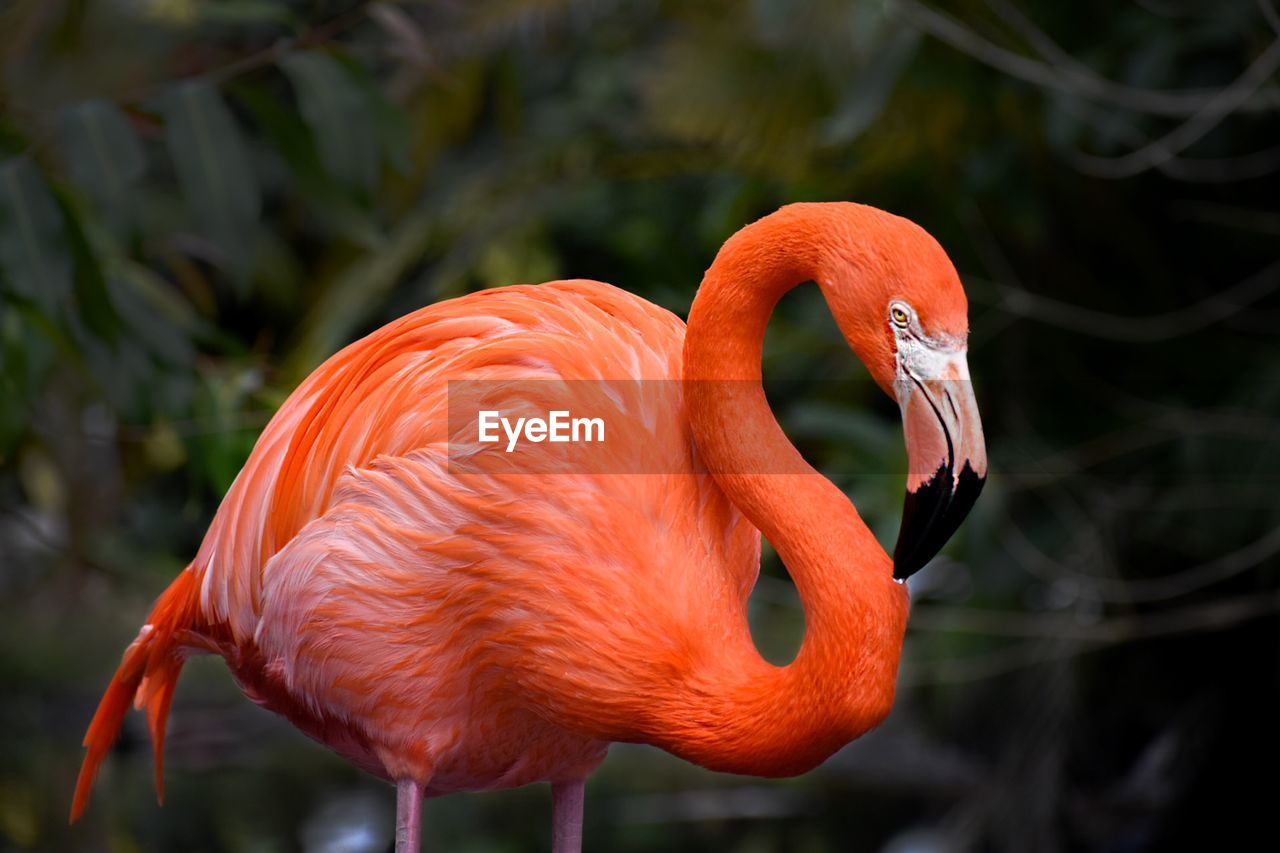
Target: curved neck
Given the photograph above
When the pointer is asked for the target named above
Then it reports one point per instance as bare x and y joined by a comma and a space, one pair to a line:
768, 719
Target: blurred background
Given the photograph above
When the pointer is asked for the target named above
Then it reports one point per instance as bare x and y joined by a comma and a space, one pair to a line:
200, 201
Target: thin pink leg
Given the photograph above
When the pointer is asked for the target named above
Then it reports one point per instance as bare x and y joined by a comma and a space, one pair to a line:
566, 816
408, 816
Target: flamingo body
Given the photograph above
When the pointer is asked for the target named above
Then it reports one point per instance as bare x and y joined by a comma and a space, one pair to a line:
346, 552
470, 590
468, 628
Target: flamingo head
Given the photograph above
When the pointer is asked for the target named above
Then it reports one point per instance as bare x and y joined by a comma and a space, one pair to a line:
901, 307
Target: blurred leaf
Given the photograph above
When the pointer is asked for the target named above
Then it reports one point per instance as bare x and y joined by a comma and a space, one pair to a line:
162, 332
338, 114
286, 132
133, 337
325, 199
92, 298
213, 169
32, 247
154, 327
391, 125
103, 156
865, 99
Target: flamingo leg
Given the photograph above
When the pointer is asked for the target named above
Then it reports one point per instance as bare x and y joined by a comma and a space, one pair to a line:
408, 816
566, 816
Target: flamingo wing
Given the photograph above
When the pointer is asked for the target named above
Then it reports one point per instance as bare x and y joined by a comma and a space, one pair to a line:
348, 549
385, 396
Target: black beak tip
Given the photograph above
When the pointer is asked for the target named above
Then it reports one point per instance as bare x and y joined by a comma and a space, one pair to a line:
908, 559
903, 569
931, 515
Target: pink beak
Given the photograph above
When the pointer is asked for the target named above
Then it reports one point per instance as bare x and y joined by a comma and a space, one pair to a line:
947, 460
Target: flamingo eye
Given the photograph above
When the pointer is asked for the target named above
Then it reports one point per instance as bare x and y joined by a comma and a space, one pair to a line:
899, 314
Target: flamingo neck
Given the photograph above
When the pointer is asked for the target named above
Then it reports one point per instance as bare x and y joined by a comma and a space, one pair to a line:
760, 718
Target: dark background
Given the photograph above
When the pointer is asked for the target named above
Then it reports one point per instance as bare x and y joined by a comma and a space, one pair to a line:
199, 201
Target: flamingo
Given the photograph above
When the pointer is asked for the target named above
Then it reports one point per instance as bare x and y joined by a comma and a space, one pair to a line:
453, 631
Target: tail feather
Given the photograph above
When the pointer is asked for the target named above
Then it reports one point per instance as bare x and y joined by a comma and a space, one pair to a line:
146, 678
157, 703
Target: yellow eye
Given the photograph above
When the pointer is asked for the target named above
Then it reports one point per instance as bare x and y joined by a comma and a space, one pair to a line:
899, 315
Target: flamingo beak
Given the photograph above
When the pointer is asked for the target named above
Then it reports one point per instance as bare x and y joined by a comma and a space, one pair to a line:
947, 457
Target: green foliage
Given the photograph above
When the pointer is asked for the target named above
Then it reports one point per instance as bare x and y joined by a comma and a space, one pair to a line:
104, 157
36, 266
338, 114
213, 168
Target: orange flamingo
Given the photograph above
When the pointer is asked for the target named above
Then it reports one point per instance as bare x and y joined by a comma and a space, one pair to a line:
456, 632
